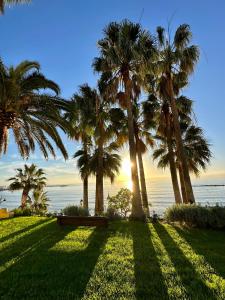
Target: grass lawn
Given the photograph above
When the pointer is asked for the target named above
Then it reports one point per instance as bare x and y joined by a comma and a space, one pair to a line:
128, 260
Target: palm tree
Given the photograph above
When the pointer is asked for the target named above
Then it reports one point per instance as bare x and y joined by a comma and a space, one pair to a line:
157, 111
27, 179
33, 116
93, 120
143, 139
82, 118
197, 150
40, 201
83, 158
11, 2
109, 123
175, 63
111, 163
123, 50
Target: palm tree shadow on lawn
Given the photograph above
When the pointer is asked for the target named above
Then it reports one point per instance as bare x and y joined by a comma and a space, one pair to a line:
189, 276
48, 273
21, 231
148, 276
199, 242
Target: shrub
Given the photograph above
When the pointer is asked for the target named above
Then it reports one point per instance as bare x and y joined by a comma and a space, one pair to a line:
197, 216
112, 214
74, 210
19, 212
120, 203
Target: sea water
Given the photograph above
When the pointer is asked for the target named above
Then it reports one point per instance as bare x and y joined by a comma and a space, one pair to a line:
160, 194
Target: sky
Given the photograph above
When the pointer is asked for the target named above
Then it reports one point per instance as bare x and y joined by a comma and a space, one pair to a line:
62, 36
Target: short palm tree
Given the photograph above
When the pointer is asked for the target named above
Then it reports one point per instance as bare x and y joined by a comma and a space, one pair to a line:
83, 157
176, 61
123, 50
109, 123
158, 111
40, 201
11, 2
27, 179
197, 150
111, 163
81, 116
31, 115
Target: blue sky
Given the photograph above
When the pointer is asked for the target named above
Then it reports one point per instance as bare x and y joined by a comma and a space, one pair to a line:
62, 37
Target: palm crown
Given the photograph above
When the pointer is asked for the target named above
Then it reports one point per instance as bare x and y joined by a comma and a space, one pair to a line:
11, 2
32, 115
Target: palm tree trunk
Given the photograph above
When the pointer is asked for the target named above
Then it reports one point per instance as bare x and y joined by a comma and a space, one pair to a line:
143, 182
173, 170
85, 179
137, 209
24, 198
180, 149
85, 191
99, 182
99, 207
3, 138
96, 197
182, 184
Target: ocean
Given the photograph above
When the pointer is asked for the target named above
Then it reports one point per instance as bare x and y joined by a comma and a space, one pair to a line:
160, 194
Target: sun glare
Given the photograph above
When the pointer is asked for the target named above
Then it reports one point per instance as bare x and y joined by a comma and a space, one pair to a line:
126, 172
126, 166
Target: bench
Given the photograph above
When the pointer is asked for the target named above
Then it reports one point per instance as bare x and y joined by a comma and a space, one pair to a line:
82, 221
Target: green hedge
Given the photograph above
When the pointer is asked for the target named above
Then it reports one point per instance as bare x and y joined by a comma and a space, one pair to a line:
197, 216
19, 212
74, 210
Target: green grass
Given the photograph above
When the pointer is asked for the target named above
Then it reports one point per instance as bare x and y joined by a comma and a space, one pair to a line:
128, 260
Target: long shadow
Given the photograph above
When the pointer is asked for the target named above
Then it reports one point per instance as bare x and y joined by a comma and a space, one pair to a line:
208, 243
20, 231
22, 244
148, 276
48, 273
191, 280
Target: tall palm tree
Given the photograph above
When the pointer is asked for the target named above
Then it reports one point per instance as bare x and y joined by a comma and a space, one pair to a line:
11, 2
123, 50
27, 179
82, 118
144, 139
176, 61
33, 116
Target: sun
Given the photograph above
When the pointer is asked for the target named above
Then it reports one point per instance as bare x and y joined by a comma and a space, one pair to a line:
126, 172
126, 167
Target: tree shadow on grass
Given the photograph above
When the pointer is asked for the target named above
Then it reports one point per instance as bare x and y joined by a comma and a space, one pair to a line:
208, 243
23, 230
49, 272
191, 280
149, 280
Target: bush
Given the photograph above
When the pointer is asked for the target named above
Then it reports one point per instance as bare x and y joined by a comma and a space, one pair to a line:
74, 210
112, 214
19, 212
120, 204
197, 216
